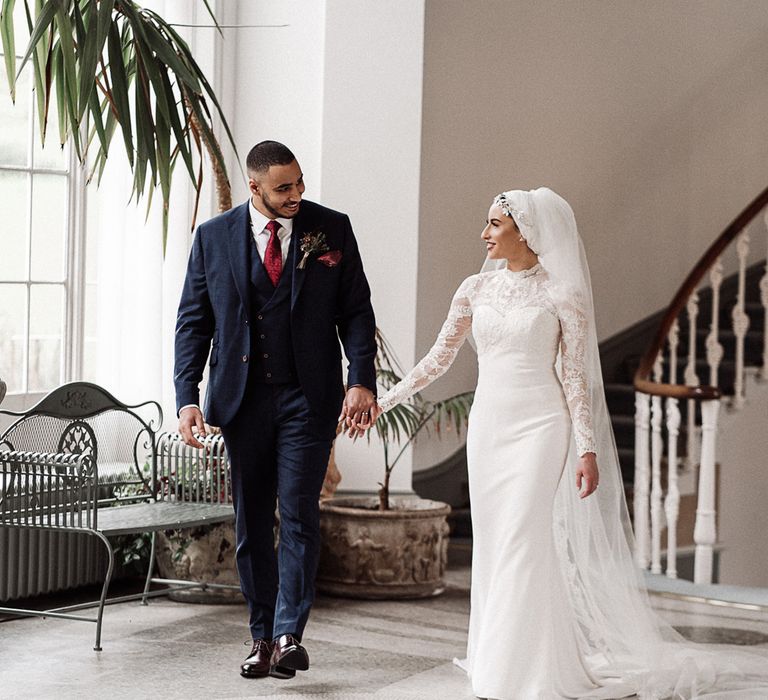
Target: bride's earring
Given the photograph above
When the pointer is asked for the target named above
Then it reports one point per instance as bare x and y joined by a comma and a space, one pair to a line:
521, 238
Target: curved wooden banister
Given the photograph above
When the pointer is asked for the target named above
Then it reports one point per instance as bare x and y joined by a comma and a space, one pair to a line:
642, 380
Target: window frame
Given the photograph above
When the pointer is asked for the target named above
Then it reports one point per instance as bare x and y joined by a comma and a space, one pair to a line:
73, 272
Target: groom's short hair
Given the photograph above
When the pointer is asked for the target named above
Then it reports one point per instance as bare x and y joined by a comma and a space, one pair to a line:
266, 154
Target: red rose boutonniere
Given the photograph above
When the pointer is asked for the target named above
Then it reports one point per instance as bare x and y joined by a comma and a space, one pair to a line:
311, 243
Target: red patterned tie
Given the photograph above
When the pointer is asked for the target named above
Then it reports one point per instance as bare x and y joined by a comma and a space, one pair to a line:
273, 260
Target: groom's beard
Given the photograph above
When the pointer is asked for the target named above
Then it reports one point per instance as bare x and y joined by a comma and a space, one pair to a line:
278, 213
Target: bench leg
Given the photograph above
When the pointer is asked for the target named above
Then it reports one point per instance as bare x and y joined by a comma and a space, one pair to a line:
104, 589
150, 569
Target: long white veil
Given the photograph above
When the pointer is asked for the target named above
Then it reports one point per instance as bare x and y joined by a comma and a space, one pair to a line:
622, 636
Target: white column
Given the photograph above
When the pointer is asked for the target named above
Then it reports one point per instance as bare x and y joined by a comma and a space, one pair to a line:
371, 150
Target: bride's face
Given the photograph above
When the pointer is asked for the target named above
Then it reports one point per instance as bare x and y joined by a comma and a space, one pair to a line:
501, 236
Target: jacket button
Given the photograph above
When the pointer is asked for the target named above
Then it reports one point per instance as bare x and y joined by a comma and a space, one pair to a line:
260, 317
262, 336
266, 355
245, 358
269, 375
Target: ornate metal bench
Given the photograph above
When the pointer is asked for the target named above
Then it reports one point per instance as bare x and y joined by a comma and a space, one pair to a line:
80, 461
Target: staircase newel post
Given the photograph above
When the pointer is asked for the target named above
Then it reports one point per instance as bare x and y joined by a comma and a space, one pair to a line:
642, 479
705, 532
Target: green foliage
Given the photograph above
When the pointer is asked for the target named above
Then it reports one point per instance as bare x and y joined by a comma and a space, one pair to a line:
109, 64
403, 423
132, 552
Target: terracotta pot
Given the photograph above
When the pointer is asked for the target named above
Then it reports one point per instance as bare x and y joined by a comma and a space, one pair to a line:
367, 553
204, 553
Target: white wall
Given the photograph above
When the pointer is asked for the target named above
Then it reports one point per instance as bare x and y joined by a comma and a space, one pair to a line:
371, 150
271, 82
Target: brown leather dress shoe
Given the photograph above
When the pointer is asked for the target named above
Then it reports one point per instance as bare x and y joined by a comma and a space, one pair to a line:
288, 656
258, 663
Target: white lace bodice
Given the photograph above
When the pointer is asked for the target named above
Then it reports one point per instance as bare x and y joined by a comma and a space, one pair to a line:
522, 320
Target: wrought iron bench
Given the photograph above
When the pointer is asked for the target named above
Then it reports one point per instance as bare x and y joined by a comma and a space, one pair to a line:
80, 461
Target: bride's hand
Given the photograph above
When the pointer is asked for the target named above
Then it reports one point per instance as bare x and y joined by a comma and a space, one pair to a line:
586, 471
359, 429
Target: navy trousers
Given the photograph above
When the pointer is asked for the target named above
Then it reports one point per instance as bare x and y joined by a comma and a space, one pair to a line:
278, 450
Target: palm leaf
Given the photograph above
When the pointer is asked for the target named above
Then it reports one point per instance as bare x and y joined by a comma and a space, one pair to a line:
8, 43
120, 83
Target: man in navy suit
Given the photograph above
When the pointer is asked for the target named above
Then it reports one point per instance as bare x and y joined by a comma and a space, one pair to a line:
271, 287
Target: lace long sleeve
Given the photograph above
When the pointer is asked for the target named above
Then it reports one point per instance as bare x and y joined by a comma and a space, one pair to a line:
442, 354
573, 324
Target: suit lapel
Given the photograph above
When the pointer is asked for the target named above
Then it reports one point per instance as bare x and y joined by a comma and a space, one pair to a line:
239, 240
299, 228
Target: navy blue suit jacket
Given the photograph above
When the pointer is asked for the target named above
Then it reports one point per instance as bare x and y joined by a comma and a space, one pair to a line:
327, 304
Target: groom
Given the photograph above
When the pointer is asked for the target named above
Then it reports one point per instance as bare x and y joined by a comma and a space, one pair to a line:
271, 287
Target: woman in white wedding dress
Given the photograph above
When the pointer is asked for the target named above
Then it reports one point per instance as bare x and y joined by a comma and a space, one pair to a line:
558, 609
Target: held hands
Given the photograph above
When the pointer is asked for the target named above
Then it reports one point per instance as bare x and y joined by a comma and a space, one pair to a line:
359, 411
586, 470
189, 418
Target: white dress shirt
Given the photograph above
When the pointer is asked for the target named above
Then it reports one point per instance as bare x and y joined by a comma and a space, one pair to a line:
261, 235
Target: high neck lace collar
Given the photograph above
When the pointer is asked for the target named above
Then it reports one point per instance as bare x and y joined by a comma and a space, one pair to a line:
522, 274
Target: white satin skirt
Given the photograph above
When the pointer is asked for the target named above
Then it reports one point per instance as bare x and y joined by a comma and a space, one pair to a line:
522, 644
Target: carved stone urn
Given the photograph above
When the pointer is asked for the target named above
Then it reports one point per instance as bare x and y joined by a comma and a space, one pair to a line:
204, 553
373, 554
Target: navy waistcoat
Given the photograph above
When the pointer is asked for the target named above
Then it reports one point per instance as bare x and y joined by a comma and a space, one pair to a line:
272, 359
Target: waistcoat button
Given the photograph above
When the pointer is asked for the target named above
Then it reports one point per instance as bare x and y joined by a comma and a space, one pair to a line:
266, 355
245, 358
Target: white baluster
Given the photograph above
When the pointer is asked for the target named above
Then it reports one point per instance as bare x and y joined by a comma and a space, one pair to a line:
657, 449
705, 532
740, 319
672, 500
714, 348
642, 478
691, 378
764, 301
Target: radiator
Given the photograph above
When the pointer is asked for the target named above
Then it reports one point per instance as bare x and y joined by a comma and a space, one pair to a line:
33, 562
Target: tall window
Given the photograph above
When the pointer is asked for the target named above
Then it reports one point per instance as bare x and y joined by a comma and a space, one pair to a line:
40, 269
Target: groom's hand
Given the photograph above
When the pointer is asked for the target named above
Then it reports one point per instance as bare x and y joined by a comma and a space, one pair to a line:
356, 411
191, 417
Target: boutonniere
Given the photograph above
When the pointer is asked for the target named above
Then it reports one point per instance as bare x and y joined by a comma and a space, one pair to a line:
312, 242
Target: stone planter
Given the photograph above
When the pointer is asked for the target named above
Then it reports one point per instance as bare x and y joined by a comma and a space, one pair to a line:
200, 554
367, 553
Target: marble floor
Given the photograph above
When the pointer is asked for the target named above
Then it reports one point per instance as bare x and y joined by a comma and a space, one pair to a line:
359, 650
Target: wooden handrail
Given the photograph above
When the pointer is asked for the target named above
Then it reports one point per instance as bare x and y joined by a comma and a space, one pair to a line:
642, 381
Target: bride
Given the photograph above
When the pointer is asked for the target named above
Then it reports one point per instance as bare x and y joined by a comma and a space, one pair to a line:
558, 608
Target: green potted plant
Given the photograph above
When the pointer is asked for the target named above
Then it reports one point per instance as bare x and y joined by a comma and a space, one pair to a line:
106, 64
384, 547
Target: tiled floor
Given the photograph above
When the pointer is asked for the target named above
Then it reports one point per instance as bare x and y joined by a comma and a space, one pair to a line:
376, 650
